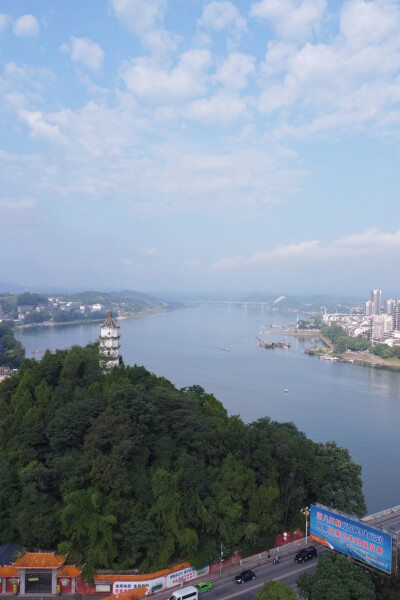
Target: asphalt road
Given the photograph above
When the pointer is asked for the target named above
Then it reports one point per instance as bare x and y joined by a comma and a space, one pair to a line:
287, 571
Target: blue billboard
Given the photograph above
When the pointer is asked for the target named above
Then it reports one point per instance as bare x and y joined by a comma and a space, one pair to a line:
352, 537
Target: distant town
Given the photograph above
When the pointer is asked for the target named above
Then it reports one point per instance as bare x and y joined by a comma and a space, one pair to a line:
29, 309
379, 321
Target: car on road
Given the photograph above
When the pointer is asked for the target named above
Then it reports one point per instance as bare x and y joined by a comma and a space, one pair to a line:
203, 586
244, 576
306, 554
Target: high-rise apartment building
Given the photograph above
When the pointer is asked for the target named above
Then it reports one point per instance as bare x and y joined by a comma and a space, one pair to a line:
396, 315
368, 308
389, 306
376, 296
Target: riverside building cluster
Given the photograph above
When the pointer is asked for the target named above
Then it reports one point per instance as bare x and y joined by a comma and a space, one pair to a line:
379, 322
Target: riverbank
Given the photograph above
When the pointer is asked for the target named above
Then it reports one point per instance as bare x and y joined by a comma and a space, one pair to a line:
364, 358
371, 360
136, 315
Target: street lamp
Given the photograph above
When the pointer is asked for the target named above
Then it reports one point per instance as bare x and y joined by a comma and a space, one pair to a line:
306, 512
221, 558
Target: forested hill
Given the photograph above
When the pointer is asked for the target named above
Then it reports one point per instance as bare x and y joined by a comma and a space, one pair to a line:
123, 470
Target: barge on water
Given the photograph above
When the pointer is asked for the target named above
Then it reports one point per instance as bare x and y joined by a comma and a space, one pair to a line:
272, 345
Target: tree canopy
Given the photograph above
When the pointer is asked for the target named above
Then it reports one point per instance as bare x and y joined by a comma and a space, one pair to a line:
336, 578
124, 470
275, 590
11, 351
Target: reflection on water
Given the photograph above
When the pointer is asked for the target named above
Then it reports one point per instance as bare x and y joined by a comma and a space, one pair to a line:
359, 407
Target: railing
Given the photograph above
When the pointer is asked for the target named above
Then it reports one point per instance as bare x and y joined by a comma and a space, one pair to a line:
288, 548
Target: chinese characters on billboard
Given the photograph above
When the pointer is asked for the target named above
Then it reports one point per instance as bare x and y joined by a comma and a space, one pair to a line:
352, 537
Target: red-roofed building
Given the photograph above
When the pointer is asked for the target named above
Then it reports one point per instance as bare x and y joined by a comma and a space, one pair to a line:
45, 573
39, 573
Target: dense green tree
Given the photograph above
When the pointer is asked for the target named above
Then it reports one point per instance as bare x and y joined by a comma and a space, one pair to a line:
387, 587
336, 578
124, 470
275, 590
342, 491
28, 299
383, 350
11, 351
89, 526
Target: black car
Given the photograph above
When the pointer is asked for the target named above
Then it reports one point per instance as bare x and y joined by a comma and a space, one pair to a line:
306, 554
244, 576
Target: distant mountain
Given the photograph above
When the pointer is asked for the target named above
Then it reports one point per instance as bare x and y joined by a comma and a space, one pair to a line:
11, 288
16, 288
135, 294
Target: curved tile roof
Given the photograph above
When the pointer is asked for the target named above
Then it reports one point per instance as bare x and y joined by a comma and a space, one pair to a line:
69, 571
8, 571
40, 560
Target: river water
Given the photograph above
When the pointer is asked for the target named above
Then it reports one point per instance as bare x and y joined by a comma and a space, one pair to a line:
358, 407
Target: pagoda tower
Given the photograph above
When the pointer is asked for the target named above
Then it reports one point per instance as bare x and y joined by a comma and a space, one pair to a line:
109, 343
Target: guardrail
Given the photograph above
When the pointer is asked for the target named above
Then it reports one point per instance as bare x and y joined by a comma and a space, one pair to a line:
289, 548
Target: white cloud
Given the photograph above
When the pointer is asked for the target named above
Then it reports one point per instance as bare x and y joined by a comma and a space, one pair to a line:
127, 262
222, 109
369, 23
291, 18
27, 25
40, 127
140, 16
145, 19
84, 51
233, 72
347, 82
13, 205
148, 80
4, 21
372, 242
221, 14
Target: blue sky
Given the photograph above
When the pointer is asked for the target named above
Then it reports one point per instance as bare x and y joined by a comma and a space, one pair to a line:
191, 145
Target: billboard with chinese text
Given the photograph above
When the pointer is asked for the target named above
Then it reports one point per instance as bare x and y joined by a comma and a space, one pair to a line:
351, 536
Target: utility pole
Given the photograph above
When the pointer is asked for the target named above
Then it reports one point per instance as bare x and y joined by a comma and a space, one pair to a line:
221, 560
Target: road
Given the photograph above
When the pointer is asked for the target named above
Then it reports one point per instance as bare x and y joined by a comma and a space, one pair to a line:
287, 571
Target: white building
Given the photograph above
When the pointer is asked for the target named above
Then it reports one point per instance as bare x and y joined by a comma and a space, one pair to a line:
109, 343
389, 306
368, 308
381, 327
376, 297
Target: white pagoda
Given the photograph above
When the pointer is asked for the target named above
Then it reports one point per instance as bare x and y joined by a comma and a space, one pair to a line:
109, 343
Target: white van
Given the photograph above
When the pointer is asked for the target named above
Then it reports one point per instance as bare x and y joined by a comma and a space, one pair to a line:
187, 593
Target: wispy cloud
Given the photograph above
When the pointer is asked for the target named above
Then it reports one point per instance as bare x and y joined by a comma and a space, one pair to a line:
4, 22
14, 205
368, 243
291, 18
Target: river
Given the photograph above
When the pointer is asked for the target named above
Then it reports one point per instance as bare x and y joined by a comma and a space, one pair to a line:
215, 346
